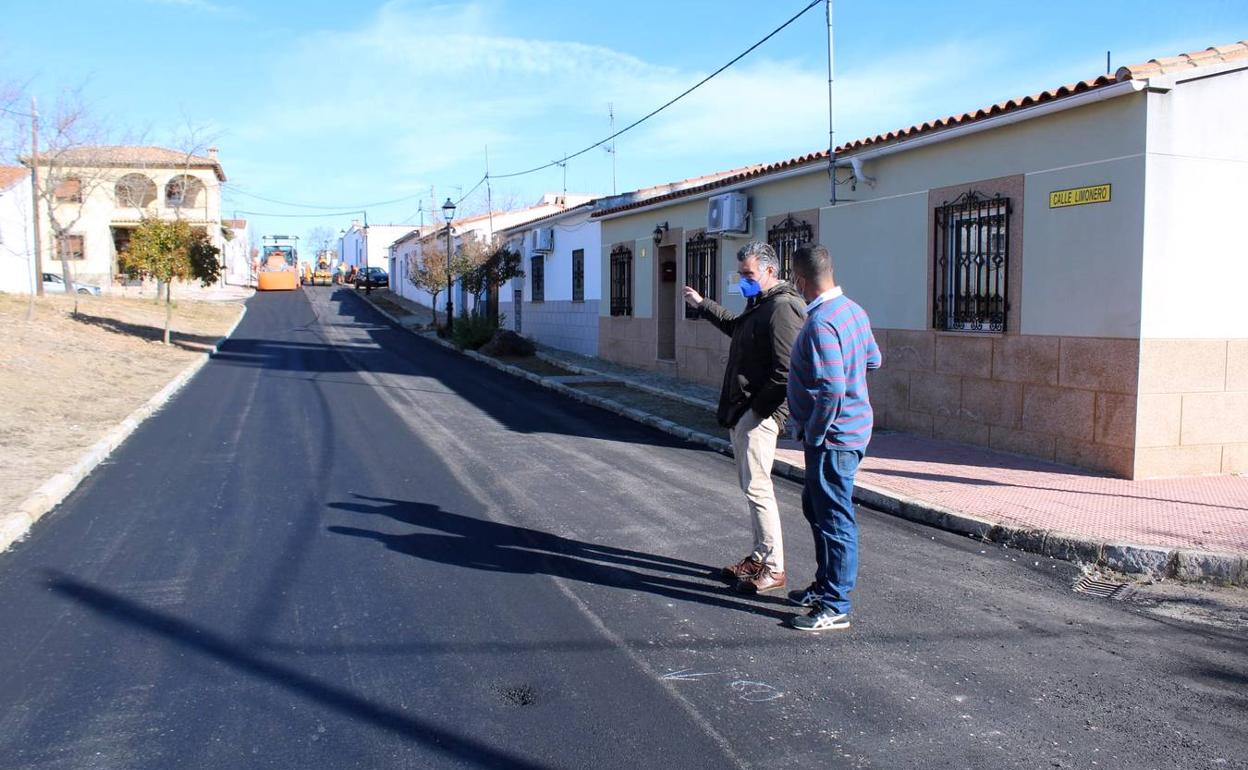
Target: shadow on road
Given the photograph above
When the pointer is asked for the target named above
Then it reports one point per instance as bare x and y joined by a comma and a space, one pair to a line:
241, 657
464, 541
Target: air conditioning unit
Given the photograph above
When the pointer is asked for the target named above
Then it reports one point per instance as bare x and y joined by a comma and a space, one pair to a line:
728, 213
544, 240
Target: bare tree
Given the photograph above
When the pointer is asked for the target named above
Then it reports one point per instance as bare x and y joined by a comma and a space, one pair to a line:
428, 272
319, 239
69, 167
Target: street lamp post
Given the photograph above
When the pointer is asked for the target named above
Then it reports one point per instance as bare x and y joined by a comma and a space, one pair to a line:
448, 212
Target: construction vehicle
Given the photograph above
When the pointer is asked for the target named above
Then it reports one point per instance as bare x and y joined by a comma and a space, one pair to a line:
279, 266
324, 275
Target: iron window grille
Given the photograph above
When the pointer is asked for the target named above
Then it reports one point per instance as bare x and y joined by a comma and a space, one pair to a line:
621, 281
971, 263
578, 275
786, 237
538, 271
702, 268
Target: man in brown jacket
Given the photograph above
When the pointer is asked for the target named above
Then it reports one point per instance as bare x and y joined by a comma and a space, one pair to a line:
752, 400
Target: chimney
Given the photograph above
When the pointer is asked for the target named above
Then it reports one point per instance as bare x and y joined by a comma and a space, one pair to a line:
212, 153
355, 224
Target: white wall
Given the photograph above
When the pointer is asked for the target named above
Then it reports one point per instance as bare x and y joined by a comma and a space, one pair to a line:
16, 239
1196, 224
1080, 265
573, 231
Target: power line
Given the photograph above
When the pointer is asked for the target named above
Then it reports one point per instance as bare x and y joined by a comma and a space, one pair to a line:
15, 112
298, 216
563, 162
682, 95
241, 191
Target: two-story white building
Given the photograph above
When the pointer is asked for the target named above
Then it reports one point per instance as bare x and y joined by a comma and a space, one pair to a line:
100, 194
17, 270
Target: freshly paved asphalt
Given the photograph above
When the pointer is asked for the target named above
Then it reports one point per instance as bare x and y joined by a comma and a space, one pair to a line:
345, 547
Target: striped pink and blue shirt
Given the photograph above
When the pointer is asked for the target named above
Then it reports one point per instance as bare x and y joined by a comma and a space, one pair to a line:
827, 387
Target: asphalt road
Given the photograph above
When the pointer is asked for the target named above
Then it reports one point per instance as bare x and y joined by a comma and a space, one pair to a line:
341, 546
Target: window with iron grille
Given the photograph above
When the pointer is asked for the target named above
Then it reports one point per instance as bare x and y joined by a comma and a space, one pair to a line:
971, 264
578, 275
71, 247
621, 281
537, 269
701, 268
786, 237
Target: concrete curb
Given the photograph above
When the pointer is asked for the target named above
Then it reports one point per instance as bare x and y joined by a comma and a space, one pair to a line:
1133, 559
628, 382
17, 523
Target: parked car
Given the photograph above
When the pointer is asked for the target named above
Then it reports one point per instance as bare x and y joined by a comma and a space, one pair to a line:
376, 276
56, 284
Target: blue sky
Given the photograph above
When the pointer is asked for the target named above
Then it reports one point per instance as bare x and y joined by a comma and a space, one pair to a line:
337, 104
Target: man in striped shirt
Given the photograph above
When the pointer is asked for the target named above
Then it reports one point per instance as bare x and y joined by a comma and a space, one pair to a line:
827, 392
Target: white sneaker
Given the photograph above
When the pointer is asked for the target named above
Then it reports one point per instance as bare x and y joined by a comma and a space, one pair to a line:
820, 619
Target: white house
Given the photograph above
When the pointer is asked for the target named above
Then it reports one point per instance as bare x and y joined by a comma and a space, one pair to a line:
556, 300
408, 248
236, 252
17, 266
363, 245
1058, 275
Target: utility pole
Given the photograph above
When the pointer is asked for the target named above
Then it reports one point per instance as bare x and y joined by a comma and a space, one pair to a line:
34, 195
831, 132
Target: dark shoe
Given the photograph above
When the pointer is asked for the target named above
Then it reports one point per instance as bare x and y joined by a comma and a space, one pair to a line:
766, 580
820, 619
807, 597
742, 570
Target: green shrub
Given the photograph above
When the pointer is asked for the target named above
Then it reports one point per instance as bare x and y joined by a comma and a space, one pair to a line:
473, 331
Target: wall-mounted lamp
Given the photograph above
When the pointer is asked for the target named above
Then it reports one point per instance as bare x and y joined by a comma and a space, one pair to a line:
659, 232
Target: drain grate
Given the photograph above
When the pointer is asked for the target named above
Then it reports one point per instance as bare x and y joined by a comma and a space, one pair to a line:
1104, 589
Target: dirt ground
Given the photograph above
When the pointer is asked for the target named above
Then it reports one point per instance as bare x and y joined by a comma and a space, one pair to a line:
67, 381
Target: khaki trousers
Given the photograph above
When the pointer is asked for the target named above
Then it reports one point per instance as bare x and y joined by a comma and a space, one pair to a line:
754, 447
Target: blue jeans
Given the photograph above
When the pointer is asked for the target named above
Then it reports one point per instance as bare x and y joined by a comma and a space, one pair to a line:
827, 502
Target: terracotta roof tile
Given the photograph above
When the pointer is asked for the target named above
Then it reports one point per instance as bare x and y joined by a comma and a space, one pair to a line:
135, 155
1216, 54
11, 175
1209, 56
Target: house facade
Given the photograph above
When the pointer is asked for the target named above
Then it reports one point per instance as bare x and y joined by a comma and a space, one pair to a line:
236, 252
1056, 276
409, 248
555, 302
100, 194
17, 266
363, 245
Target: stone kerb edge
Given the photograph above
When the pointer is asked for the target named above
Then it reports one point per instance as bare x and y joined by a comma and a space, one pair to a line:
51, 493
1152, 561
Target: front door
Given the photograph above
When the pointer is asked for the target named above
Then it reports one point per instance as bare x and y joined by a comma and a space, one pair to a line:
667, 302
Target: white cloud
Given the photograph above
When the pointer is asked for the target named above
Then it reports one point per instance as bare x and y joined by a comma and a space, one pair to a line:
418, 90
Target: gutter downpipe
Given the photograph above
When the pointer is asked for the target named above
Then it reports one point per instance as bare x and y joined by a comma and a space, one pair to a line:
985, 124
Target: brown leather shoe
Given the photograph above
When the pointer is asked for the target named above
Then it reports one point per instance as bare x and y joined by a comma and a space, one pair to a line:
765, 581
742, 570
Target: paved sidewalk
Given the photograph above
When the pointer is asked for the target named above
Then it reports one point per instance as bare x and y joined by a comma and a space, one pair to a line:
1082, 514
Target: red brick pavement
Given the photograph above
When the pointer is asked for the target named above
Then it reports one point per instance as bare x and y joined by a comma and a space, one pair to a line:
1208, 513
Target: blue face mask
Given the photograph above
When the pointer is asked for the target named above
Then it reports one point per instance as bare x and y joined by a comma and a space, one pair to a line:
750, 287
